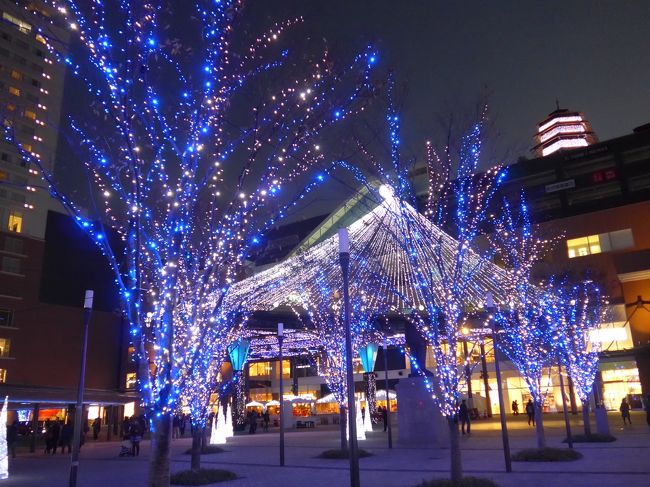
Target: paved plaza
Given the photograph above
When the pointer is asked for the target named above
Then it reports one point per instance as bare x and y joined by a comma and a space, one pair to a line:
255, 460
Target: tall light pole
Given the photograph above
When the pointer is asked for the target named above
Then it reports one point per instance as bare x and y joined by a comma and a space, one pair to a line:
344, 259
280, 340
497, 369
79, 409
390, 430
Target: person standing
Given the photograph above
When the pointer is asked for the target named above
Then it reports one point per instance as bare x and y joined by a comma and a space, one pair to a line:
12, 437
267, 419
97, 425
176, 428
530, 411
647, 409
384, 417
56, 434
625, 411
181, 425
463, 416
66, 438
515, 408
136, 436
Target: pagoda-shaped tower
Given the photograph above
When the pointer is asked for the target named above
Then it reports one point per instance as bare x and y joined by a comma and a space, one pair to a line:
562, 129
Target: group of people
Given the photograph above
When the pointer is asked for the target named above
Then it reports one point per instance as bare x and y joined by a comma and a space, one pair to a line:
133, 429
179, 422
59, 434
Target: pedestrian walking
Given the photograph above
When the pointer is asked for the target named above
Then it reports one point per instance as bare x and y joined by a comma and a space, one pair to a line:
253, 422
176, 427
530, 411
181, 424
463, 416
56, 433
12, 437
625, 411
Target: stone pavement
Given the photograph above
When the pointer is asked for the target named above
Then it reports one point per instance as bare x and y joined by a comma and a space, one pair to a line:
254, 458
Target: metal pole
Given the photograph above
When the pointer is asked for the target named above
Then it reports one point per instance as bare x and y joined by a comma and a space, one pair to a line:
344, 258
468, 377
486, 385
567, 424
280, 340
390, 430
78, 415
497, 370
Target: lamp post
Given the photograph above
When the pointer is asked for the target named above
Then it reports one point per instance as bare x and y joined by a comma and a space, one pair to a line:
390, 430
344, 259
565, 410
497, 369
78, 416
280, 340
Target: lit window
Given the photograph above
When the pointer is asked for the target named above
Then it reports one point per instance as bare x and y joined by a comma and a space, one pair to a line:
16, 74
130, 380
3, 375
259, 369
41, 39
29, 114
23, 27
10, 107
3, 176
15, 223
14, 91
604, 242
5, 345
27, 147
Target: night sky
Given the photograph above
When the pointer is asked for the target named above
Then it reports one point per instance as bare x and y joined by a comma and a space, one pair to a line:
591, 55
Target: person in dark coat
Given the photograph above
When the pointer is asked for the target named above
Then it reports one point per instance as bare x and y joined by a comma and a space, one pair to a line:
135, 434
65, 440
56, 433
384, 417
253, 422
12, 437
625, 411
463, 416
530, 411
267, 419
181, 426
97, 426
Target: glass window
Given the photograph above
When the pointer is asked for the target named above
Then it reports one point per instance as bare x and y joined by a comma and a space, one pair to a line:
578, 247
130, 380
6, 317
3, 375
23, 27
14, 91
259, 369
11, 264
604, 242
5, 345
29, 114
14, 245
15, 74
15, 223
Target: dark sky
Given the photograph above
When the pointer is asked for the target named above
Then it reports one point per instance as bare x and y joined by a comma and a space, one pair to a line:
592, 55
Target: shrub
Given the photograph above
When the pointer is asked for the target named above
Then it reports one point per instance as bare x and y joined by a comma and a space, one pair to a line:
547, 455
338, 454
465, 482
202, 476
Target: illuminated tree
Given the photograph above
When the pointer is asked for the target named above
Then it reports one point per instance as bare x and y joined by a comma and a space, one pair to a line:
529, 333
448, 274
189, 166
582, 311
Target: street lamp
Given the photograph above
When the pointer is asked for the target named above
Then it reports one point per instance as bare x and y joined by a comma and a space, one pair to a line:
368, 356
78, 416
280, 340
344, 259
497, 369
238, 353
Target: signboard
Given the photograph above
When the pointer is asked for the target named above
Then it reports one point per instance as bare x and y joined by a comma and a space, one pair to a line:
568, 184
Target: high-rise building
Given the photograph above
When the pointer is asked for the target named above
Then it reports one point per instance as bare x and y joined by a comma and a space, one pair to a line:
562, 129
31, 93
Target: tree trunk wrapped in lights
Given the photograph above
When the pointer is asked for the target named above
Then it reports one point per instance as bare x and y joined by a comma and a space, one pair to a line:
186, 179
